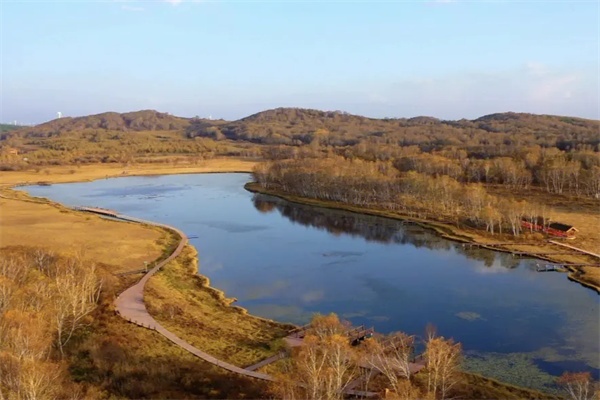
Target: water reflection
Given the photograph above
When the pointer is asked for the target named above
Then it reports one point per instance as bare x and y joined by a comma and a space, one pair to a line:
380, 230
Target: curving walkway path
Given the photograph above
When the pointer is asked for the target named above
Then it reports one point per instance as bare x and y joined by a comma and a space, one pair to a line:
130, 306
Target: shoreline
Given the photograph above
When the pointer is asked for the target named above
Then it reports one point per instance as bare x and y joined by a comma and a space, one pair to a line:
89, 173
93, 172
205, 281
142, 170
445, 231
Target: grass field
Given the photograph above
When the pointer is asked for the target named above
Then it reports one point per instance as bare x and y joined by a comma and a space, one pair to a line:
118, 246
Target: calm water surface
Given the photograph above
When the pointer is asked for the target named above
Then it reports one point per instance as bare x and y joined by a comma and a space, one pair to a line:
286, 261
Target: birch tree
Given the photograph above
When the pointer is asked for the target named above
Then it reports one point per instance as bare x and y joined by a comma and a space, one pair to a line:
392, 357
579, 386
443, 361
78, 291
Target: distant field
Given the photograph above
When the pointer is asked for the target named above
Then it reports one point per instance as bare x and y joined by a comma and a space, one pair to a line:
61, 174
119, 246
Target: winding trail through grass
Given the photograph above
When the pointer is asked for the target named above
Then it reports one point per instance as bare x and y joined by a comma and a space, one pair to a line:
130, 304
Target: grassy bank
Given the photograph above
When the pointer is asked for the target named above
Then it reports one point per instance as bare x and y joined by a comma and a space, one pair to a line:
183, 302
587, 276
111, 358
42, 223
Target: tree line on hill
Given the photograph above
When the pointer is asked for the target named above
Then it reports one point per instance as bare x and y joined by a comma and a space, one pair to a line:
489, 136
494, 135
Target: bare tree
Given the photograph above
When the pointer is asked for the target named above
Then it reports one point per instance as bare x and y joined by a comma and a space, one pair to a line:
323, 367
578, 386
37, 380
78, 291
392, 357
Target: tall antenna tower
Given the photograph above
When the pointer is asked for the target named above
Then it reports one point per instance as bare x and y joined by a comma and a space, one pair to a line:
59, 114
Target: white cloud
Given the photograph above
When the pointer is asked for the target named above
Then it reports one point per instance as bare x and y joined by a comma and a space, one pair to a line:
550, 88
533, 87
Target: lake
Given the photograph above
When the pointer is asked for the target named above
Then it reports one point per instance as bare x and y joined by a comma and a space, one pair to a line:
287, 261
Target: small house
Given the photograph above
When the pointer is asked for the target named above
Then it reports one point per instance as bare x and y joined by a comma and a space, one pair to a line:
562, 230
536, 225
540, 224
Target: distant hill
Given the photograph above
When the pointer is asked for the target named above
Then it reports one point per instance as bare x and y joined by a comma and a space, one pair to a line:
297, 126
9, 127
146, 120
302, 126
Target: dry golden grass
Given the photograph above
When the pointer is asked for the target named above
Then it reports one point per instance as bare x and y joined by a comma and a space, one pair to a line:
116, 360
70, 173
120, 246
183, 302
113, 359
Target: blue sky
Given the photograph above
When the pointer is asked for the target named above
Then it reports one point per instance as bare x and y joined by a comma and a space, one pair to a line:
444, 58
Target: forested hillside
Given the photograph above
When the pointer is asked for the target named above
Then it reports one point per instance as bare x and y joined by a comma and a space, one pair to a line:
558, 154
147, 120
496, 134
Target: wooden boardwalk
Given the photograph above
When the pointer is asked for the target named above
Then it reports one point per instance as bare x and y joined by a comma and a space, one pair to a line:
589, 253
97, 210
130, 304
267, 361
